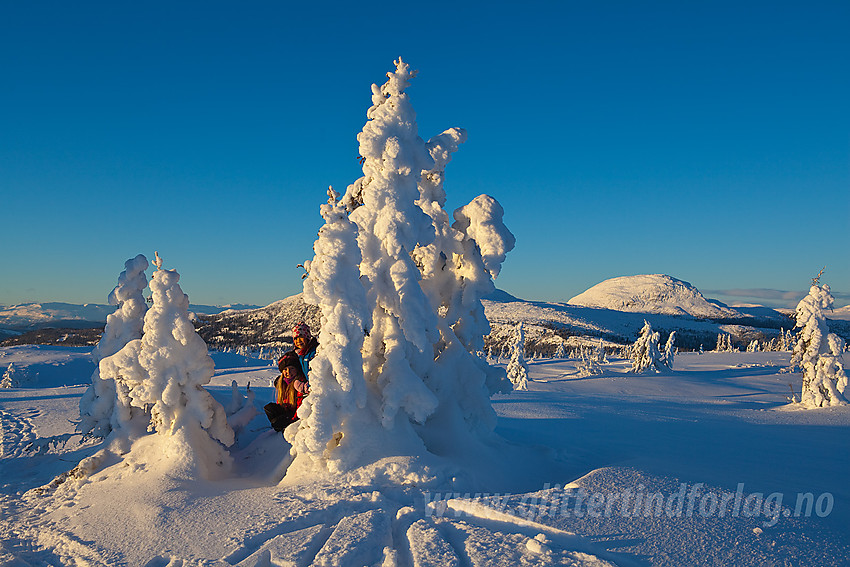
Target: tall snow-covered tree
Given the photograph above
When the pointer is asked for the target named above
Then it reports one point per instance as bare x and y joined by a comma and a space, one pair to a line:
645, 355
517, 367
819, 352
161, 376
337, 405
122, 326
416, 321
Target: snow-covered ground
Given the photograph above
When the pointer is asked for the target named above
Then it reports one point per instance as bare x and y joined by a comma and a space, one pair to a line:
703, 466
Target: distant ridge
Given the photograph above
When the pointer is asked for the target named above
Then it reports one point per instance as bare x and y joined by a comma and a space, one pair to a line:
30, 316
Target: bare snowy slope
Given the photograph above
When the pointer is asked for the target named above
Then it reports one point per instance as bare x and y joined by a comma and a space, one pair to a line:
655, 293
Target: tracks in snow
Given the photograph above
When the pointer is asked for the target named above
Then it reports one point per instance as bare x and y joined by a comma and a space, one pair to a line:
17, 434
465, 535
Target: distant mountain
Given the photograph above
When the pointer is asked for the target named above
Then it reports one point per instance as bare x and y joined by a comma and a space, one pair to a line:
31, 316
840, 313
614, 315
28, 316
655, 293
269, 326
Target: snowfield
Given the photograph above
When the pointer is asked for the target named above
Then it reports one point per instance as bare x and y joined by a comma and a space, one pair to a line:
705, 465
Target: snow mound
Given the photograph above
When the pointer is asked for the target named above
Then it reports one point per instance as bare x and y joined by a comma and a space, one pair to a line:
654, 293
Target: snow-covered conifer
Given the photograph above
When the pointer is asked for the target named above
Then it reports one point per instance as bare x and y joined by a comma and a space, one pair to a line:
790, 341
589, 364
669, 350
599, 353
163, 374
122, 326
819, 352
561, 352
338, 387
644, 353
8, 380
517, 368
400, 292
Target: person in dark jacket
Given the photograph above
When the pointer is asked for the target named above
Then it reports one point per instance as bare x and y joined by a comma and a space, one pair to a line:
290, 389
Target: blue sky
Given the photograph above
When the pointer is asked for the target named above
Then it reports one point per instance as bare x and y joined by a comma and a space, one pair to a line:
708, 141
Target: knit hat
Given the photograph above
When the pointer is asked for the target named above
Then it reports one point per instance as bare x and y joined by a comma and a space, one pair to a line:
289, 359
301, 330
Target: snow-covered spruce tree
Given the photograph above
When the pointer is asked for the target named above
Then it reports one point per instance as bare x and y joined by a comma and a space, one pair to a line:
790, 341
669, 351
599, 353
122, 326
331, 428
644, 353
517, 368
8, 380
589, 364
416, 319
819, 352
161, 376
561, 352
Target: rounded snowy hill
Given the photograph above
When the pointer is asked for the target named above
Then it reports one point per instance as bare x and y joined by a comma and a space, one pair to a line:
653, 293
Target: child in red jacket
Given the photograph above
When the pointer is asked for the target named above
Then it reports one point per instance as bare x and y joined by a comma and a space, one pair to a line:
290, 388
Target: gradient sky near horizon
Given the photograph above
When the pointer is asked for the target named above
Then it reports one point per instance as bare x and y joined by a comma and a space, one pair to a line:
709, 141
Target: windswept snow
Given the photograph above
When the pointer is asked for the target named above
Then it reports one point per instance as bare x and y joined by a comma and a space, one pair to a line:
656, 293
576, 480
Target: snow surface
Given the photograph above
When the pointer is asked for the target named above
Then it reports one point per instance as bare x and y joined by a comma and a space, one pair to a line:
656, 293
719, 419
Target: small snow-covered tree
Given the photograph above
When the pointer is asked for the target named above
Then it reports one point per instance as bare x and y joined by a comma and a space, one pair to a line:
561, 352
599, 353
589, 364
517, 368
644, 353
819, 352
8, 380
790, 341
122, 326
161, 376
669, 351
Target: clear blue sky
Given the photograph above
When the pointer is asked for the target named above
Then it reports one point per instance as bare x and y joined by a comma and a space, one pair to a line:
709, 141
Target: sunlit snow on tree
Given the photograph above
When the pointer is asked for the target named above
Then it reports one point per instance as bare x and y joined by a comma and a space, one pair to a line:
159, 386
122, 326
517, 367
645, 354
400, 288
819, 352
